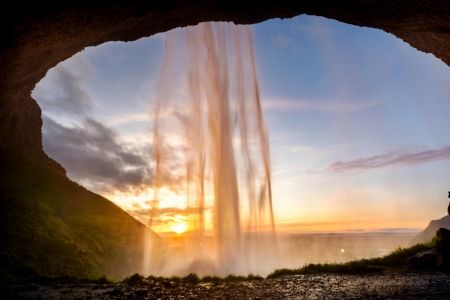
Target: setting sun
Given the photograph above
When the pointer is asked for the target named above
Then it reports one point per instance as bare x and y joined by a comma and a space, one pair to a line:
179, 228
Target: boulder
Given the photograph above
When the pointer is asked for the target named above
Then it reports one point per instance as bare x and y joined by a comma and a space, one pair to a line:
443, 243
443, 248
136, 279
438, 258
426, 260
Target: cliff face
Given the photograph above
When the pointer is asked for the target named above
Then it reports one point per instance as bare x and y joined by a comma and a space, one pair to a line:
36, 35
428, 233
20, 113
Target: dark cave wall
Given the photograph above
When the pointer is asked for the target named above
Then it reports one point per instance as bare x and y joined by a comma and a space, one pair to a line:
37, 35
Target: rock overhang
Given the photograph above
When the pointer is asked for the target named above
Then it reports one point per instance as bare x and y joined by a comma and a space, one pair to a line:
37, 35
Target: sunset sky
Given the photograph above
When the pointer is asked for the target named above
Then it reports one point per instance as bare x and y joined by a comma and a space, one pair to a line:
358, 124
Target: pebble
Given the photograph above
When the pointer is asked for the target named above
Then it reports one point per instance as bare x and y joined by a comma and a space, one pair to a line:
406, 285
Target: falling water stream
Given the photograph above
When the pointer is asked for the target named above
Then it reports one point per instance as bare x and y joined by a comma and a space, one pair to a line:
225, 151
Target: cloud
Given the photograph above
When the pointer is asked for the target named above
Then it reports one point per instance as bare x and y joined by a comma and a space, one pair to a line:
148, 116
96, 156
165, 215
93, 153
399, 156
63, 91
282, 40
301, 148
337, 106
171, 211
316, 30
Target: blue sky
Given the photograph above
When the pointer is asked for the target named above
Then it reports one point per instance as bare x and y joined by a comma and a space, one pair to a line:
358, 125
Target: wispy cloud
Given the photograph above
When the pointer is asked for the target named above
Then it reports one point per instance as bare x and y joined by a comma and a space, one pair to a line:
315, 30
129, 118
337, 106
399, 156
165, 215
146, 115
282, 40
301, 148
63, 89
171, 211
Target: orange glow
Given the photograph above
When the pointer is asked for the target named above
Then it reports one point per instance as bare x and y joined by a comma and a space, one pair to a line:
179, 228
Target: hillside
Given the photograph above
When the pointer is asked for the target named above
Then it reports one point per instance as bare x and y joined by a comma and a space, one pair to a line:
51, 226
428, 233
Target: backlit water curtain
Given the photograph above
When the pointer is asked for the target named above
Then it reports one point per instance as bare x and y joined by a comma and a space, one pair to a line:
225, 151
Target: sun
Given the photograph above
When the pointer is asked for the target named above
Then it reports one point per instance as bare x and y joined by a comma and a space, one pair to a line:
179, 228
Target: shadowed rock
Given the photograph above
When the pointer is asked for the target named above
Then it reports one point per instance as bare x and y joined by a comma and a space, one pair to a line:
427, 260
443, 248
37, 35
438, 258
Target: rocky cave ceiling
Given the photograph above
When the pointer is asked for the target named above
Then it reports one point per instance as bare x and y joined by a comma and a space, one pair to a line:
37, 35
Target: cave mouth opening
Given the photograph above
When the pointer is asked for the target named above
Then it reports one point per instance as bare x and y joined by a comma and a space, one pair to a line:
351, 109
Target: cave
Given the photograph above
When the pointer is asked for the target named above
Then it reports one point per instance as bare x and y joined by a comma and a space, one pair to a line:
37, 35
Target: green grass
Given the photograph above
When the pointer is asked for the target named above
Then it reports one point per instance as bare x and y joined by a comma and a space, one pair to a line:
53, 227
396, 258
232, 278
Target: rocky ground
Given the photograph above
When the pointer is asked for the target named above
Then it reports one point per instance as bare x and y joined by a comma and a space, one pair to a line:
386, 285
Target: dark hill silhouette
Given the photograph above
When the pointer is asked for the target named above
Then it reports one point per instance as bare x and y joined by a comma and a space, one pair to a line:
428, 233
51, 226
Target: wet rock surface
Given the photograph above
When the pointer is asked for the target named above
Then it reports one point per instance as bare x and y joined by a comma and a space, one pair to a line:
386, 285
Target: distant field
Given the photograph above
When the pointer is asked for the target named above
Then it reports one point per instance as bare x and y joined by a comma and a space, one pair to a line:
300, 249
295, 251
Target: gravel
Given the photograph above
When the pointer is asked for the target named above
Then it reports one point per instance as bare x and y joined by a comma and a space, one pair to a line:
385, 285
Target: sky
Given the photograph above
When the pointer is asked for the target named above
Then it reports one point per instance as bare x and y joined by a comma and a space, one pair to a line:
357, 123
